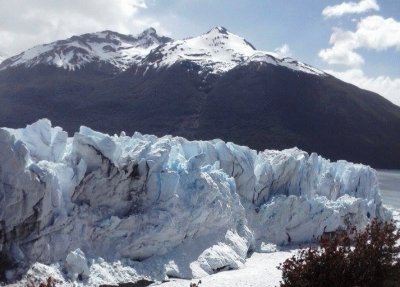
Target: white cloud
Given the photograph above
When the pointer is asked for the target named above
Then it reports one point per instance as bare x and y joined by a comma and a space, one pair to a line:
344, 42
373, 32
386, 86
283, 51
27, 23
378, 33
350, 8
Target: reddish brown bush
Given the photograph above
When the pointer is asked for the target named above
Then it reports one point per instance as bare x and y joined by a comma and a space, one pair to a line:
50, 282
372, 260
195, 284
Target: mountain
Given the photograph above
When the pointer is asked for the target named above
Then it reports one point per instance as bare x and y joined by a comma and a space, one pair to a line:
105, 48
216, 85
215, 52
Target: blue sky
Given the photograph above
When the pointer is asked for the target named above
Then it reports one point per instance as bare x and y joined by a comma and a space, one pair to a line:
365, 49
267, 24
271, 24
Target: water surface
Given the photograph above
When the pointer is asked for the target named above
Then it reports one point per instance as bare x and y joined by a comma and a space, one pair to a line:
389, 184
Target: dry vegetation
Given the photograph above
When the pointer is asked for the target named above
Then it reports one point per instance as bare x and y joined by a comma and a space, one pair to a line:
371, 260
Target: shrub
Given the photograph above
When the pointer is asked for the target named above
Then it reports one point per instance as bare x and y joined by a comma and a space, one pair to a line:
372, 260
50, 282
195, 284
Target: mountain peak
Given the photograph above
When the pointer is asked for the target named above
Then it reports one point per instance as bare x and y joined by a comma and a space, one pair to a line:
216, 51
105, 47
149, 31
149, 37
221, 31
218, 29
2, 58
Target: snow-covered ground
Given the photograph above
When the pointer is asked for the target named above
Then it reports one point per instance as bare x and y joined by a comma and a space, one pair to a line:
260, 270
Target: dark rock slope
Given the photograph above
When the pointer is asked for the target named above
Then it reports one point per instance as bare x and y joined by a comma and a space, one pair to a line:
260, 104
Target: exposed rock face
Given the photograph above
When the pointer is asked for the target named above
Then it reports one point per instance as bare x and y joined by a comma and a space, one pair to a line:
186, 208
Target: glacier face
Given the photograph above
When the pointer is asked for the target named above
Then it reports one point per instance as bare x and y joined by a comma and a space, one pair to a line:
186, 208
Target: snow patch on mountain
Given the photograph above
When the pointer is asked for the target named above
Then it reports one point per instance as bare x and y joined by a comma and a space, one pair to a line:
215, 52
273, 59
219, 51
96, 206
118, 50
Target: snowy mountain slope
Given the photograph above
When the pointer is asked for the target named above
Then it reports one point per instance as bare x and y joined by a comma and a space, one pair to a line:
216, 52
118, 50
271, 58
219, 51
186, 209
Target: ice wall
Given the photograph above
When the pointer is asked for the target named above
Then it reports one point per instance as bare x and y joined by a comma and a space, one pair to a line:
187, 208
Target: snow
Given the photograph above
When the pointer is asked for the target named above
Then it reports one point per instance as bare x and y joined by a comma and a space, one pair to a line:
219, 51
215, 52
274, 59
260, 270
120, 51
100, 206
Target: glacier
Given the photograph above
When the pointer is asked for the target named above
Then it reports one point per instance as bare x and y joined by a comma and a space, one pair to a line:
98, 209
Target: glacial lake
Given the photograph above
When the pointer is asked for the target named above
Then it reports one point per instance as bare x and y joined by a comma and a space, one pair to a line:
389, 184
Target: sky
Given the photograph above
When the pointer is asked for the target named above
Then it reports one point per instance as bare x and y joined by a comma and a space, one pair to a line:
357, 41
